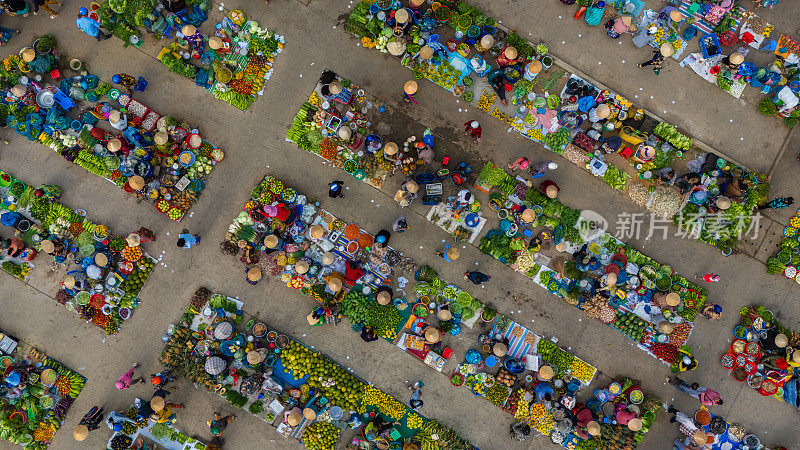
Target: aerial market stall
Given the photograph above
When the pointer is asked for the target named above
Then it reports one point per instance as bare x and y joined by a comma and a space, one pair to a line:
306, 395
152, 433
233, 64
38, 392
105, 272
720, 26
609, 280
764, 354
466, 52
154, 157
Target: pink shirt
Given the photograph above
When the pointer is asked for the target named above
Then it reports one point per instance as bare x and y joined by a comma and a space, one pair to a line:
709, 397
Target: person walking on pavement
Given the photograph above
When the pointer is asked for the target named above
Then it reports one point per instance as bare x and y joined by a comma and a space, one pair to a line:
659, 55
126, 380
688, 425
44, 4
708, 277
473, 129
416, 395
707, 397
16, 7
400, 224
161, 379
520, 163
187, 240
89, 422
712, 312
90, 26
219, 423
409, 89
778, 203
382, 238
476, 277
335, 189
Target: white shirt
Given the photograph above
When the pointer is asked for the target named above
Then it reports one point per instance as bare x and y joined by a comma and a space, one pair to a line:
122, 124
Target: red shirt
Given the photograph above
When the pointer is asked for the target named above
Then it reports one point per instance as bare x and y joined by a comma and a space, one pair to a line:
283, 213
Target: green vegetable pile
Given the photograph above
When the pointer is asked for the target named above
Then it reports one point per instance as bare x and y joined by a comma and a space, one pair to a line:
631, 325
670, 134
497, 394
358, 308
615, 177
554, 356
557, 141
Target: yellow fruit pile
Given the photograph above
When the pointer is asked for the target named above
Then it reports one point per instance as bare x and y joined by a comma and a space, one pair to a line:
486, 101
538, 411
544, 425
384, 402
536, 135
523, 409
502, 116
582, 371
413, 421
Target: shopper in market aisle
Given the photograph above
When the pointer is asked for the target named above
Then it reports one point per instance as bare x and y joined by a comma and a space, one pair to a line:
708, 277
542, 167
45, 5
89, 25
520, 163
416, 395
382, 238
659, 55
707, 397
473, 129
219, 424
161, 379
409, 89
778, 203
688, 425
90, 422
712, 312
335, 189
187, 240
476, 277
127, 380
400, 225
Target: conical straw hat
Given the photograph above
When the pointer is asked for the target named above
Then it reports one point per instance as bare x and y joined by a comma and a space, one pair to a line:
673, 299
271, 241
188, 30
546, 373
453, 253
28, 55
157, 403
309, 414
69, 282
432, 334
301, 267
317, 231
535, 66
335, 87
426, 52
499, 349
328, 258
80, 433
294, 417
510, 52
384, 298
401, 16
667, 50
48, 246
114, 145
335, 284
445, 315
737, 58
412, 187
551, 191
161, 138
410, 87
675, 15
603, 111
254, 274
627, 20
133, 240
390, 149
635, 424
215, 43
101, 259
136, 182
593, 428
487, 41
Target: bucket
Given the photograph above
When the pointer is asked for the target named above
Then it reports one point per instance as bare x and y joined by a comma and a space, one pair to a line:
473, 31
373, 9
487, 29
75, 64
76, 125
442, 14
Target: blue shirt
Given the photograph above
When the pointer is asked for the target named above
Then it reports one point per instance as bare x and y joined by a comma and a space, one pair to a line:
541, 389
88, 25
189, 240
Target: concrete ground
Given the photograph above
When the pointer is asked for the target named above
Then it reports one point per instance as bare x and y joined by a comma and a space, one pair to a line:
254, 144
